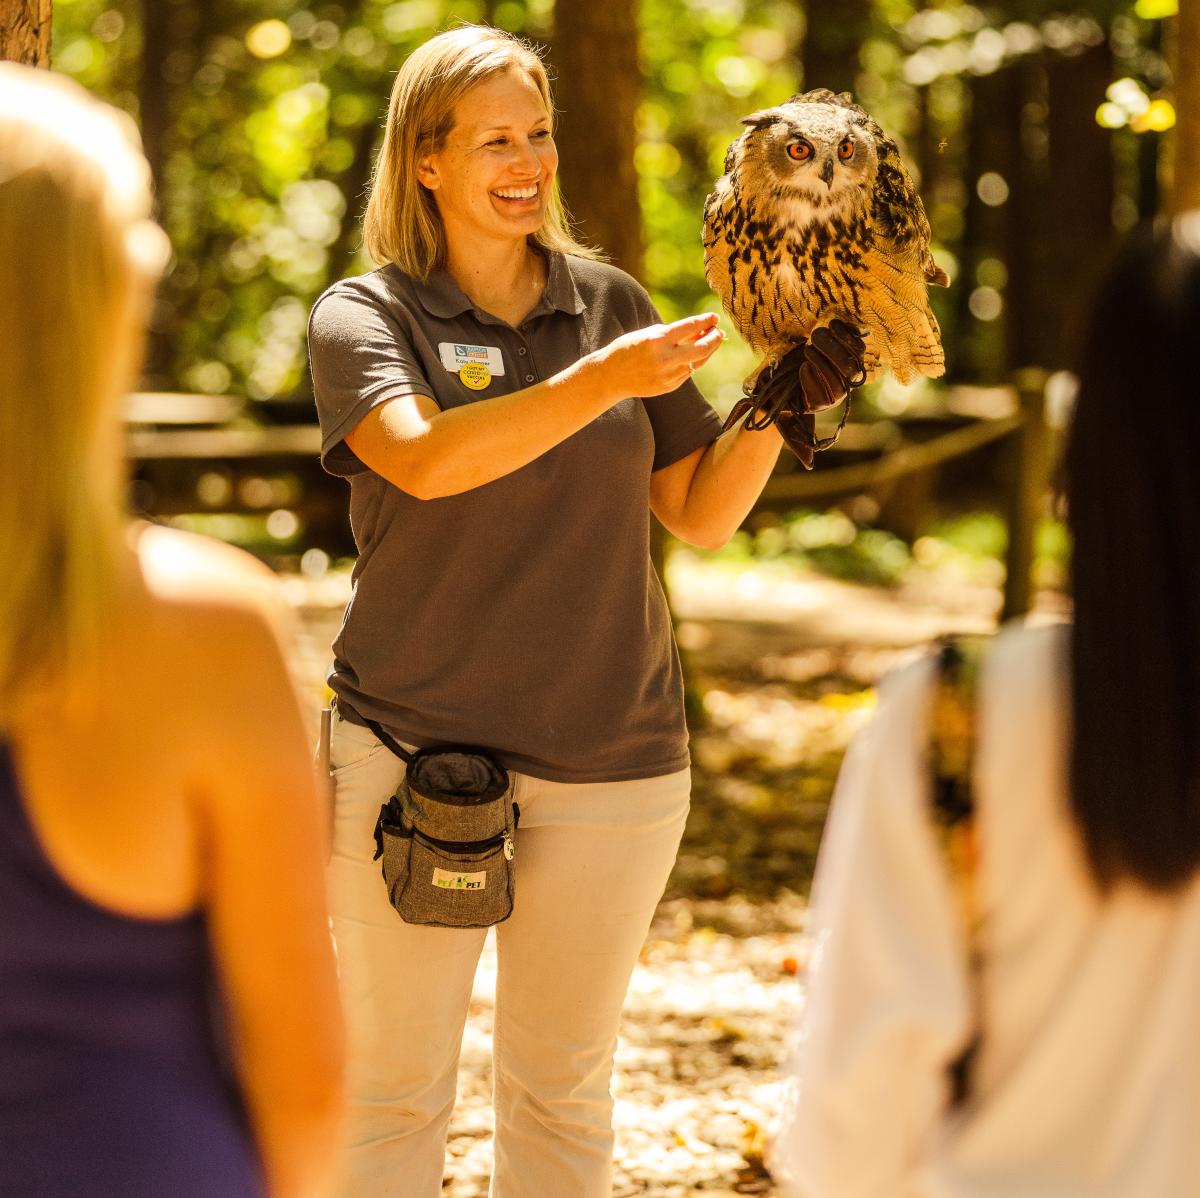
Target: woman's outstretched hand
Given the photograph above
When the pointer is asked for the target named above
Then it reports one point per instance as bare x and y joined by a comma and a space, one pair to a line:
655, 360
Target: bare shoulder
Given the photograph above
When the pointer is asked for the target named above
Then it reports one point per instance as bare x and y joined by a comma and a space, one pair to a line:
216, 616
208, 597
182, 569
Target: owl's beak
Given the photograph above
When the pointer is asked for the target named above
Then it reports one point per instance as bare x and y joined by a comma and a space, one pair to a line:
827, 172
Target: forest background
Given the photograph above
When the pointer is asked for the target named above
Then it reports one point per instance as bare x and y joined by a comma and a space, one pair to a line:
1037, 132
1034, 129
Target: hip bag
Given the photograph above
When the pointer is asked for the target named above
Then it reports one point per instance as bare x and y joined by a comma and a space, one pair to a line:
446, 837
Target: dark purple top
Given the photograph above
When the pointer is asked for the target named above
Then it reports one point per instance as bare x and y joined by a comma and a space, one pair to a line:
113, 1083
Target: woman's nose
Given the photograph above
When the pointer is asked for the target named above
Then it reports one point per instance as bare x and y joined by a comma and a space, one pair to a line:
527, 160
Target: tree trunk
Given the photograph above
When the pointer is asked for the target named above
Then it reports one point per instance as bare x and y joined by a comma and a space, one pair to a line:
980, 350
1081, 189
1185, 189
595, 56
25, 31
833, 36
1030, 321
154, 93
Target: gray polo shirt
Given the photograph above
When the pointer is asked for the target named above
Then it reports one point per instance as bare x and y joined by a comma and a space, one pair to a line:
523, 615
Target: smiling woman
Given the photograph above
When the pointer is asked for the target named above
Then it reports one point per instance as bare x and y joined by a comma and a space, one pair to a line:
508, 411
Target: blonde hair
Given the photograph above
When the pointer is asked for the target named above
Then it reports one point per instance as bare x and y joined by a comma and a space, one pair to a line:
402, 224
79, 253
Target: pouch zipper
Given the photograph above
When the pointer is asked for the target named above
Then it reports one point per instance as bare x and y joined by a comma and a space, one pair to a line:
467, 846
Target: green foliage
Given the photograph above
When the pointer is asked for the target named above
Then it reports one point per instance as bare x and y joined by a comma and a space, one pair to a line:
827, 542
969, 546
273, 109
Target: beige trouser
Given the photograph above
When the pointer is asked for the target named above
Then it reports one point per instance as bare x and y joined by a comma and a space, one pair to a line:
592, 861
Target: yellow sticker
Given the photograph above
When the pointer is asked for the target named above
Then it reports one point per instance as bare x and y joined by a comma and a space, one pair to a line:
475, 375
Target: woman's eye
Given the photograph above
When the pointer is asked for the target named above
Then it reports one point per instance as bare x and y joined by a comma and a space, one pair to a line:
542, 134
801, 151
846, 149
498, 142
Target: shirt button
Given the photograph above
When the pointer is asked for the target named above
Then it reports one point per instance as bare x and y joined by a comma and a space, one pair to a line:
529, 378
522, 351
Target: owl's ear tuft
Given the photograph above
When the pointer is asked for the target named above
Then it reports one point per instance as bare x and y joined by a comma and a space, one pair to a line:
760, 120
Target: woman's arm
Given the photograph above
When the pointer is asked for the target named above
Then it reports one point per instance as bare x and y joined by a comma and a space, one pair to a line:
430, 453
703, 498
888, 1004
265, 828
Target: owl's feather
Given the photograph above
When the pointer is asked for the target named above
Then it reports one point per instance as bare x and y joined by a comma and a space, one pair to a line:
785, 258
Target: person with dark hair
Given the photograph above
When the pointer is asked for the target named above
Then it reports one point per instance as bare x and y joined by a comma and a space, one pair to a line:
1049, 1046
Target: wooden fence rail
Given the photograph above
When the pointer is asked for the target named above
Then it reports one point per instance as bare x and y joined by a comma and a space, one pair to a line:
167, 432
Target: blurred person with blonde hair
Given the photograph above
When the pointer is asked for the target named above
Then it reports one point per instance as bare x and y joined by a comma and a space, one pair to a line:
168, 1014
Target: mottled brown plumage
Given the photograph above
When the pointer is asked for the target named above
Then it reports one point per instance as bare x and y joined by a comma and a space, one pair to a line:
816, 218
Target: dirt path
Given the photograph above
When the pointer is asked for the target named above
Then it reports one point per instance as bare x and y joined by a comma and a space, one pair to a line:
787, 665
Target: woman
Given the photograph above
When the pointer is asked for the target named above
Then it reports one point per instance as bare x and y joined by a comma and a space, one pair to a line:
508, 412
160, 868
1086, 1079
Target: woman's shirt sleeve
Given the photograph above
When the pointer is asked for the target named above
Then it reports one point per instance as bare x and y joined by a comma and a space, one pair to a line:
888, 1006
361, 357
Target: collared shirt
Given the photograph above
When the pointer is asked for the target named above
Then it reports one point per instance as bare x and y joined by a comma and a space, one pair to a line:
1087, 1081
523, 615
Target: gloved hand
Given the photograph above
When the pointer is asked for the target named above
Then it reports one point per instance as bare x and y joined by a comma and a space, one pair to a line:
815, 375
832, 365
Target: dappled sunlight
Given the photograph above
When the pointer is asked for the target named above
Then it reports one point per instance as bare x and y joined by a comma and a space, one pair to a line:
705, 1030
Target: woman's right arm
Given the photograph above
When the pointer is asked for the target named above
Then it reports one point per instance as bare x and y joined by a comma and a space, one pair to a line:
888, 1004
430, 453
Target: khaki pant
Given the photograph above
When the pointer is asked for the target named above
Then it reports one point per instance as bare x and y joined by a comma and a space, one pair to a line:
592, 861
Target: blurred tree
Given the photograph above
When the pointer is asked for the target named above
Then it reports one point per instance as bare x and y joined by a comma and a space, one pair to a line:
1079, 195
833, 38
1186, 184
154, 93
598, 90
25, 31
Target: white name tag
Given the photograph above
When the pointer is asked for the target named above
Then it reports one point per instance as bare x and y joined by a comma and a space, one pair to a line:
446, 879
455, 357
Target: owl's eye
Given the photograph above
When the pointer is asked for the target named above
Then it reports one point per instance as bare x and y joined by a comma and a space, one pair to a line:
801, 151
846, 149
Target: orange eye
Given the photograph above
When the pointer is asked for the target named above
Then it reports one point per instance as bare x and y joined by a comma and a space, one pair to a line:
801, 151
846, 149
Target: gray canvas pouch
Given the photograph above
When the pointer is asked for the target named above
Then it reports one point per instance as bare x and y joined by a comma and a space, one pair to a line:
447, 838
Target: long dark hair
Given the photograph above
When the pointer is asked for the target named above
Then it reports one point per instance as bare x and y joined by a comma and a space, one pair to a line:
1132, 475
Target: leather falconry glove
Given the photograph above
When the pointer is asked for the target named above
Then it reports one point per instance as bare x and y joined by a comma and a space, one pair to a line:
815, 375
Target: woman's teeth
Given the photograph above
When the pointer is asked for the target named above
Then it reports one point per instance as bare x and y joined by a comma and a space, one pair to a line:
516, 193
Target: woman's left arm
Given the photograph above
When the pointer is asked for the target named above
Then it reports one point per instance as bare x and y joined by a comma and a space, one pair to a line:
703, 498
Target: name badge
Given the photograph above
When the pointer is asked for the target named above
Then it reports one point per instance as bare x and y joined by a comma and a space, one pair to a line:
455, 357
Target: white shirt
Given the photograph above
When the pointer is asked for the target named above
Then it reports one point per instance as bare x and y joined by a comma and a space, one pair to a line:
1088, 1081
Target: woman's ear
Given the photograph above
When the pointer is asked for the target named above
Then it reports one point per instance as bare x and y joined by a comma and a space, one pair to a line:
427, 174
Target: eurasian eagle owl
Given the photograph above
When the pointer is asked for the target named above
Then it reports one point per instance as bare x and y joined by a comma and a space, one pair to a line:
816, 218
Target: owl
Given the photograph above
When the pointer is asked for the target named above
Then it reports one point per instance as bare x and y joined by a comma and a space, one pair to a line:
816, 218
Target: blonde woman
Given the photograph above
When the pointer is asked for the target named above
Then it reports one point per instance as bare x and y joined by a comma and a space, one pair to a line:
160, 859
508, 412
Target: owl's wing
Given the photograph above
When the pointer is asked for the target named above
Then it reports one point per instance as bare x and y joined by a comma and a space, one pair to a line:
898, 214
896, 209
